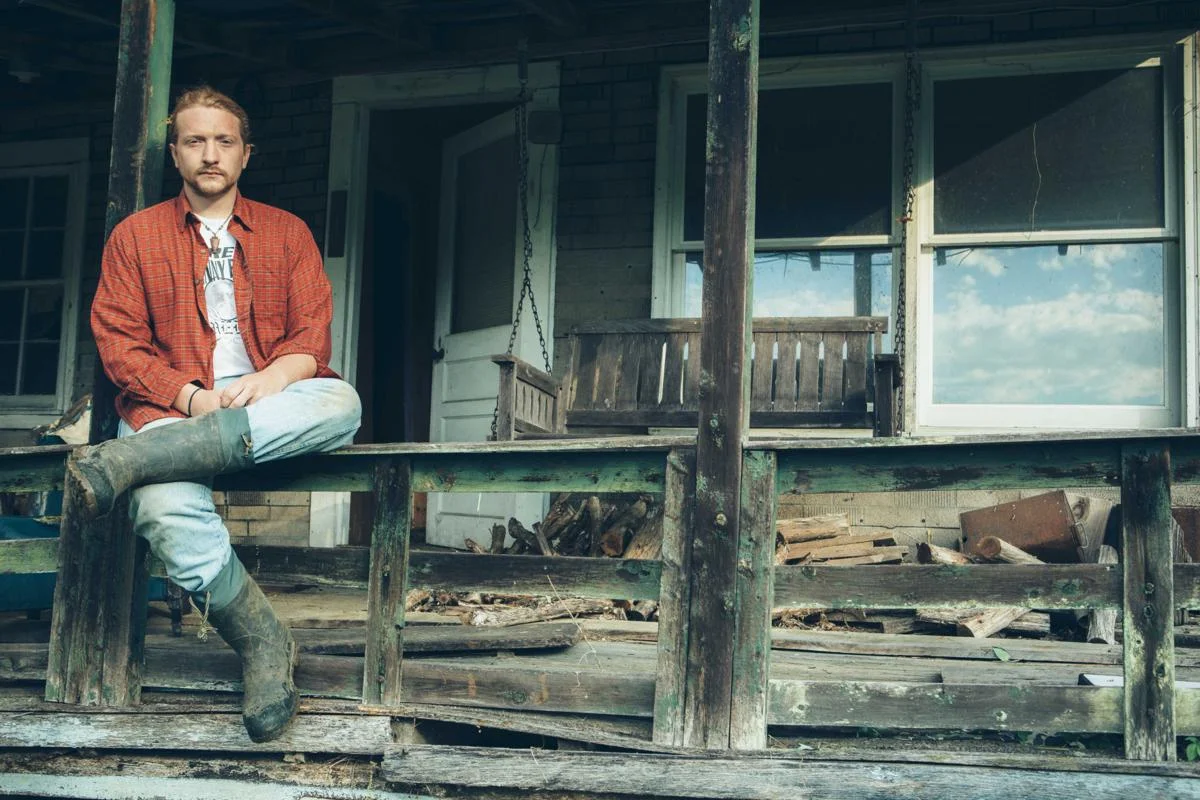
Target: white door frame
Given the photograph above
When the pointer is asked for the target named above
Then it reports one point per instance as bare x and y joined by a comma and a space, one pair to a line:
354, 97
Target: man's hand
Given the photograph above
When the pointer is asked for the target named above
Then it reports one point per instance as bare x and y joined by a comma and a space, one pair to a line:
249, 389
204, 402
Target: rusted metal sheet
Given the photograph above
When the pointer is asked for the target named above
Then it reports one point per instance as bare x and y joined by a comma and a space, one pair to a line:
1043, 526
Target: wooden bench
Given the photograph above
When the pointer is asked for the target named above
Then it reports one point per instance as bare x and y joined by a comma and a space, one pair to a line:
629, 375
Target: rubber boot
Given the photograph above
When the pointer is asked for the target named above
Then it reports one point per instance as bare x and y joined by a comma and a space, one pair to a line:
195, 449
268, 651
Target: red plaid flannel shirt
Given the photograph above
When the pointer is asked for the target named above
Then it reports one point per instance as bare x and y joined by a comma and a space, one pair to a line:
149, 316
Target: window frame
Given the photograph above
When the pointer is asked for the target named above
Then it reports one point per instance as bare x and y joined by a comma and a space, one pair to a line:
676, 84
67, 157
933, 418
1179, 56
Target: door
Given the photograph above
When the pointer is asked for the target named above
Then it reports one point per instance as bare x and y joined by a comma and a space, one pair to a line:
480, 268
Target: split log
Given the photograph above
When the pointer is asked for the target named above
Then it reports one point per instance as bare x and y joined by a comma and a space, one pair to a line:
499, 534
807, 529
474, 547
523, 535
985, 623
612, 541
647, 542
993, 548
560, 516
876, 555
1102, 623
932, 554
1032, 622
543, 545
568, 607
595, 520
847, 546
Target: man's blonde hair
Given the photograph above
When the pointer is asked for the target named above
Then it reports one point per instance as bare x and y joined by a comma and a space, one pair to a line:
208, 97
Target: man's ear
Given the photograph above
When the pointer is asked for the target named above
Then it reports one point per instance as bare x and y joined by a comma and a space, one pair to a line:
174, 158
246, 155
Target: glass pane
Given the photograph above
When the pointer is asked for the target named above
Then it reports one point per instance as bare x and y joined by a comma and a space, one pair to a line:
485, 237
1050, 325
11, 303
824, 162
45, 254
14, 194
43, 317
50, 201
39, 373
12, 245
8, 369
1049, 152
821, 283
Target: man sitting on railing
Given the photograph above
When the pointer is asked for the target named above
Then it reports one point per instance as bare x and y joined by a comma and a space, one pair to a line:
213, 313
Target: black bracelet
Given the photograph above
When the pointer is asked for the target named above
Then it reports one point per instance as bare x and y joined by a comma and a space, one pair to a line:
190, 399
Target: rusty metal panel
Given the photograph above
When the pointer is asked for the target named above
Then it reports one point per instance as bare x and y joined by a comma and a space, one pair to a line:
1043, 526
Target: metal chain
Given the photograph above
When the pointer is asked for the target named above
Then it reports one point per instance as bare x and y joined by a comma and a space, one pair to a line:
521, 113
912, 106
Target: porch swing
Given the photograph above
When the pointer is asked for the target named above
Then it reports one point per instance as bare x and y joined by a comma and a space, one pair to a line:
629, 376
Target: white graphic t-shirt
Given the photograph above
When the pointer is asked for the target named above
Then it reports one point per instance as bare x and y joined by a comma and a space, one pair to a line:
230, 358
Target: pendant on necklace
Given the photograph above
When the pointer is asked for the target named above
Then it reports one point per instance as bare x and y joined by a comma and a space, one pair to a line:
214, 243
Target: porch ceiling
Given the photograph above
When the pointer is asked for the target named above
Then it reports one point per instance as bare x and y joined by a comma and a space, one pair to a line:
66, 49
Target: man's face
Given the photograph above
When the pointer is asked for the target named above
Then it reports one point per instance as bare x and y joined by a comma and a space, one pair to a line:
208, 150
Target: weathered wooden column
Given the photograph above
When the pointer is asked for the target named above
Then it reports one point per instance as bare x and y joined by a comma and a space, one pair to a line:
98, 622
712, 640
1147, 555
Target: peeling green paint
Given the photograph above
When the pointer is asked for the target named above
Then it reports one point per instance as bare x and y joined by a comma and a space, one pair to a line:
743, 34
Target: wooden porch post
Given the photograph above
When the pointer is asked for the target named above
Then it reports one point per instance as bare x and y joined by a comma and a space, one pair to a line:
724, 377
1147, 555
98, 622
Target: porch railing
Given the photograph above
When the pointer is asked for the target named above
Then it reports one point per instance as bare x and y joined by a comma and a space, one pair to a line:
1149, 710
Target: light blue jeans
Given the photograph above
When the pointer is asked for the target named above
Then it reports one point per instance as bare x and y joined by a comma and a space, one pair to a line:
179, 519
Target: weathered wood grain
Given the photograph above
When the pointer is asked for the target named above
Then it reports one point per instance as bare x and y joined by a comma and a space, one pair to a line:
311, 733
670, 685
759, 777
1023, 707
598, 578
1149, 607
754, 593
118, 787
388, 586
947, 586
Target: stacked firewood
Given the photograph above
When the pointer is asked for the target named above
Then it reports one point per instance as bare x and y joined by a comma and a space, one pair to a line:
828, 539
612, 525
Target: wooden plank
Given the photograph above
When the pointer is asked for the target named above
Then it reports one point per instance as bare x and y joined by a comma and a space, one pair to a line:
752, 614
445, 638
691, 375
759, 418
313, 733
627, 579
832, 390
675, 593
119, 787
810, 372
506, 402
33, 469
1038, 464
929, 646
673, 372
855, 397
915, 706
785, 372
629, 370
650, 371
28, 556
762, 370
1187, 586
943, 586
1149, 607
872, 776
387, 588
725, 351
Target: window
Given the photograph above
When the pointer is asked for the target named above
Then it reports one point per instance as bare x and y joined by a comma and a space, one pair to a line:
824, 234
41, 220
1050, 265
1046, 262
